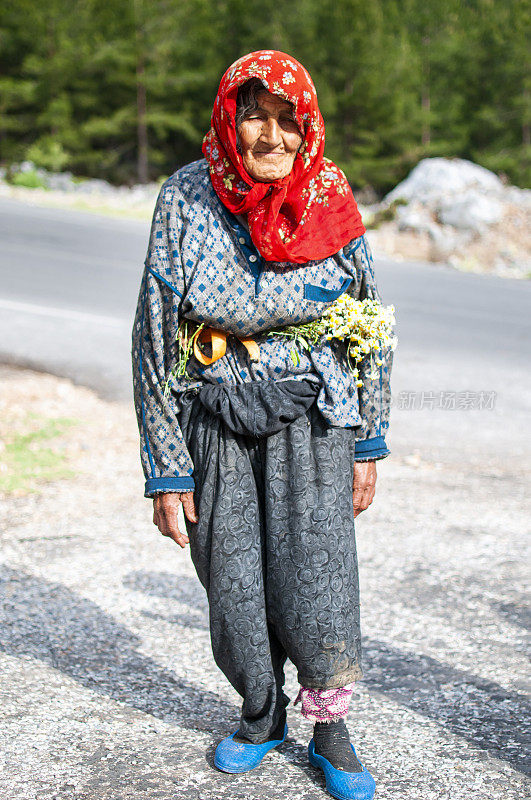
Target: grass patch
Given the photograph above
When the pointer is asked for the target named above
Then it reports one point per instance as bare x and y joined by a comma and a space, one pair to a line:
34, 455
143, 214
28, 180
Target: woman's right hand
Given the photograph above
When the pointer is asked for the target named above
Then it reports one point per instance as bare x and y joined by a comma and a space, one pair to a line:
165, 510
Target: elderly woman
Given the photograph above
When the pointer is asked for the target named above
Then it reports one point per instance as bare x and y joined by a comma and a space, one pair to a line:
271, 456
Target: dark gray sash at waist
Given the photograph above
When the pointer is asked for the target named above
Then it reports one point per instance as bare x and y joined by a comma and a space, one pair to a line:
259, 408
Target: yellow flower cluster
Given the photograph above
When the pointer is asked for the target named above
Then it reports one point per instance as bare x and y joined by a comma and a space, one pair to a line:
366, 325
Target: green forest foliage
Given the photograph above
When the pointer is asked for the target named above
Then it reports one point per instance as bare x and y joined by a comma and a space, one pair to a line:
123, 89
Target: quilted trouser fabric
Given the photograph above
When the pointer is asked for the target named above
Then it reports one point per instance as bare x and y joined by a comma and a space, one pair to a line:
275, 550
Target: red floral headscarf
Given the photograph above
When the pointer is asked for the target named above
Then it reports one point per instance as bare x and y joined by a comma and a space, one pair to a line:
311, 213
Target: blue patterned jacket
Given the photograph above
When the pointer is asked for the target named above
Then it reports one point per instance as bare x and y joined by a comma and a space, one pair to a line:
202, 265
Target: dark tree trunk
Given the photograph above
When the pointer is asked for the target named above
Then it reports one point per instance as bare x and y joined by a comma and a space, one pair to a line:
526, 128
426, 129
141, 128
426, 98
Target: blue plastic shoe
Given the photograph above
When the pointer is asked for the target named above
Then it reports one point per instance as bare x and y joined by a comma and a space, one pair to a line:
231, 756
340, 784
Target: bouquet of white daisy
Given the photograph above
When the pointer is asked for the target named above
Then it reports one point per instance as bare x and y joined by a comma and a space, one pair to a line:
364, 325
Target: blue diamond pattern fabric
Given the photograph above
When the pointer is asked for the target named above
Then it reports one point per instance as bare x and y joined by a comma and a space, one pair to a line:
202, 265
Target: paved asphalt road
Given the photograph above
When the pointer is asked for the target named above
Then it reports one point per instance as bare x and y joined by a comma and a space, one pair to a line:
69, 284
109, 689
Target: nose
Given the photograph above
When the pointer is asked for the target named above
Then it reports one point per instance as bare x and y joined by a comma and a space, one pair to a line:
271, 132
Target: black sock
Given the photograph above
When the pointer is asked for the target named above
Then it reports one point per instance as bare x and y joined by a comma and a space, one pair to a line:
278, 733
332, 741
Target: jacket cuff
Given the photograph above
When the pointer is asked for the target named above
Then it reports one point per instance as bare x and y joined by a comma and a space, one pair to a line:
182, 484
370, 449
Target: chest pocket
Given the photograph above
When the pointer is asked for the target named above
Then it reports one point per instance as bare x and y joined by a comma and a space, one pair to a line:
323, 292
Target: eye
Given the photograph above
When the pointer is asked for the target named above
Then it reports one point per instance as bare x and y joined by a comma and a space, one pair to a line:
289, 123
257, 115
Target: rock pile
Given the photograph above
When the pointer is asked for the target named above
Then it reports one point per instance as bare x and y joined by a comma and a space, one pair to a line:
452, 210
63, 188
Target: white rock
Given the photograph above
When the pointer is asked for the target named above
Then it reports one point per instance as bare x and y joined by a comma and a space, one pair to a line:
436, 178
25, 166
60, 181
94, 186
518, 196
470, 211
413, 218
446, 240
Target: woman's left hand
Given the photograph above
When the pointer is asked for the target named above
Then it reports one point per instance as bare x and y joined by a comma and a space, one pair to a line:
363, 485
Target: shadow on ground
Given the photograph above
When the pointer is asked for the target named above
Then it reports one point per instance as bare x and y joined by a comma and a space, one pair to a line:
49, 622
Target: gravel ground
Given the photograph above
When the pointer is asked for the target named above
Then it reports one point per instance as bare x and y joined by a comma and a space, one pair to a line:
109, 689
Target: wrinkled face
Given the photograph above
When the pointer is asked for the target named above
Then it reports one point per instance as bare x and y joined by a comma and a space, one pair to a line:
269, 139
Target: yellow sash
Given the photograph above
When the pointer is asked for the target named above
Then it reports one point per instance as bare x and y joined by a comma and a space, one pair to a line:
218, 342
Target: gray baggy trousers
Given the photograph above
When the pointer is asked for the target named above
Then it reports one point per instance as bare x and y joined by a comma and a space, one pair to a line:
275, 545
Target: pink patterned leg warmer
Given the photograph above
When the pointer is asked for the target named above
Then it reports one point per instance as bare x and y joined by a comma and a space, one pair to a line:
325, 705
